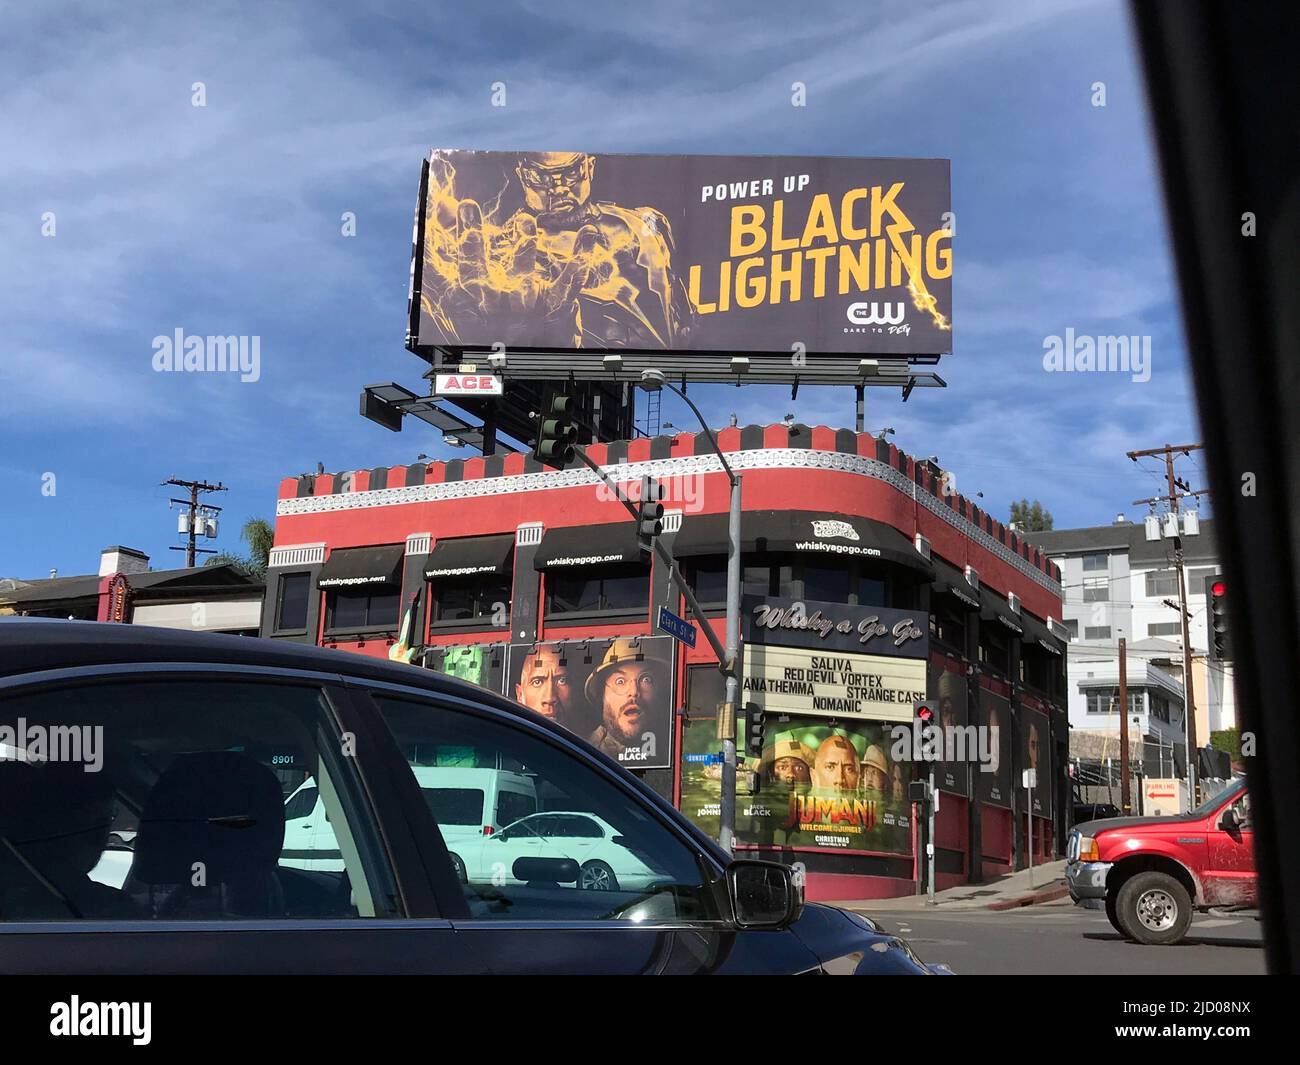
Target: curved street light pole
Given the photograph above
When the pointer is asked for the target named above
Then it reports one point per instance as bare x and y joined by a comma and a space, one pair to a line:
651, 379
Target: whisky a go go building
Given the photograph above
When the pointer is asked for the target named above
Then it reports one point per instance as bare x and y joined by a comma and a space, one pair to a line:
866, 588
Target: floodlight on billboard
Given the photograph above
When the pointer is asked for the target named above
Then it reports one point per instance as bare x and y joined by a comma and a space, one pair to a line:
550, 260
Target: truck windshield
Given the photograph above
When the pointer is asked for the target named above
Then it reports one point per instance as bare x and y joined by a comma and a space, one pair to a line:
1219, 798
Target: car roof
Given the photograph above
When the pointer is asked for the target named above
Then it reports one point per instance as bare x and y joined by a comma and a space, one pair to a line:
32, 645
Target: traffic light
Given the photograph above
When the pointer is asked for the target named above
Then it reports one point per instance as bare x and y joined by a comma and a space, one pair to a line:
753, 730
556, 434
924, 715
1216, 595
650, 515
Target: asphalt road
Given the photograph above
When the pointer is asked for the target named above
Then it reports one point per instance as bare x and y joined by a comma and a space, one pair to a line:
1061, 938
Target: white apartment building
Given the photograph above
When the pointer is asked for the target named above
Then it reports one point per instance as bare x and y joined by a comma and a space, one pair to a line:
1117, 583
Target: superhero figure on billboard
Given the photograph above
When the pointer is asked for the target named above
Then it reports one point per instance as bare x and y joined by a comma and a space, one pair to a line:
564, 270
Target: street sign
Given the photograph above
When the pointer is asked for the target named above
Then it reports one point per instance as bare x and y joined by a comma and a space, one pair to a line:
678, 628
1030, 778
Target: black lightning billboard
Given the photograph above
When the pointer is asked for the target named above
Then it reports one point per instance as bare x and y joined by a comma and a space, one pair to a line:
564, 251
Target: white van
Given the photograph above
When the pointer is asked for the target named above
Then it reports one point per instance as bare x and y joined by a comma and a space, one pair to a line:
467, 804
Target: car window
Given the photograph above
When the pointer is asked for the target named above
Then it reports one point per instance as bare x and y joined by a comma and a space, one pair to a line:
586, 828
512, 805
1242, 809
301, 803
650, 874
454, 806
182, 800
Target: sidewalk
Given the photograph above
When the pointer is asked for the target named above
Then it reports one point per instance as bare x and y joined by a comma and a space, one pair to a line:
1004, 893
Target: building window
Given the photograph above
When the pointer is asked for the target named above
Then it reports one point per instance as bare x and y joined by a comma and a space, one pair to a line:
477, 599
1106, 701
1165, 628
1093, 563
1196, 579
1096, 632
620, 588
1160, 707
826, 584
948, 624
994, 650
1073, 625
351, 609
1096, 589
291, 607
1036, 669
853, 583
1162, 582
770, 580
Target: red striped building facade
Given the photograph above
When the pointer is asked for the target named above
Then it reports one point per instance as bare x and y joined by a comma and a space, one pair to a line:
501, 551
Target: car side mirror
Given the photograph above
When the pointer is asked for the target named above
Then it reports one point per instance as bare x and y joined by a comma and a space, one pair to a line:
1228, 822
764, 894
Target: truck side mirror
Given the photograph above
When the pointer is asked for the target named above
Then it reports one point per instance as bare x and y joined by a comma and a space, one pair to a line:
1228, 822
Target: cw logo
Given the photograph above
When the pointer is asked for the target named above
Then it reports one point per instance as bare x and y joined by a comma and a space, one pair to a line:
870, 313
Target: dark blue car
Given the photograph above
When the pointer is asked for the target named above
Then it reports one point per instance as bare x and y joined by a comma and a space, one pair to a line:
147, 775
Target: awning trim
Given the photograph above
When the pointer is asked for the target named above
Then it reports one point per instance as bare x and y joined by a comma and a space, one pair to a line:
470, 557
948, 580
350, 567
995, 608
588, 545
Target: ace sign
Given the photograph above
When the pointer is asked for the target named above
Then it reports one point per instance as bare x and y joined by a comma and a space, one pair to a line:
468, 384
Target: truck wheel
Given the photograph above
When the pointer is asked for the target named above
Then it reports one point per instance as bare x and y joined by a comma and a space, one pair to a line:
1112, 915
1154, 908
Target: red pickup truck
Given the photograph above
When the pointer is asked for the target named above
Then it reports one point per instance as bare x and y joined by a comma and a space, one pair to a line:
1150, 873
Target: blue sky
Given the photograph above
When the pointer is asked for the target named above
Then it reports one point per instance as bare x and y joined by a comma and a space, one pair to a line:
225, 219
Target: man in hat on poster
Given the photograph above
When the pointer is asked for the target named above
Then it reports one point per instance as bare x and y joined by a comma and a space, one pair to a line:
630, 689
789, 762
875, 772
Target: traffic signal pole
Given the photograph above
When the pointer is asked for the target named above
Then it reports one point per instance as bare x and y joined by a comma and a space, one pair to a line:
929, 840
727, 803
555, 442
661, 553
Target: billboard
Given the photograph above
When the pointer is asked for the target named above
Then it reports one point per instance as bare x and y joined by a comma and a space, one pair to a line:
614, 693
994, 784
569, 251
833, 683
823, 786
948, 690
1035, 753
478, 663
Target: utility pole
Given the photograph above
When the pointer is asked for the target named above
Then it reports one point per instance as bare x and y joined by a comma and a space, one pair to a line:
192, 503
1125, 795
1189, 701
